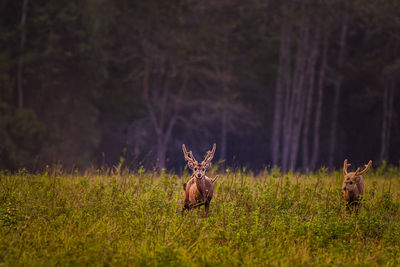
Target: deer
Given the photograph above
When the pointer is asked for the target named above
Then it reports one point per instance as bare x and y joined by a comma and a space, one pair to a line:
353, 186
199, 189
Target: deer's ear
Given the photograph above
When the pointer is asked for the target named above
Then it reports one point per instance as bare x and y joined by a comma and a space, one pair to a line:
190, 165
208, 165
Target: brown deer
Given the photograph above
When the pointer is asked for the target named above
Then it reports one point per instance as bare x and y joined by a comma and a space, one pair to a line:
199, 189
353, 186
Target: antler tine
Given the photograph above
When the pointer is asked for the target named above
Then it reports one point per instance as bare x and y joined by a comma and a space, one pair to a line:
191, 156
210, 154
188, 155
345, 166
367, 166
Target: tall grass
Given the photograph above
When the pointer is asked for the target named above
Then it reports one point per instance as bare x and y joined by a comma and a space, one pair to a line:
135, 219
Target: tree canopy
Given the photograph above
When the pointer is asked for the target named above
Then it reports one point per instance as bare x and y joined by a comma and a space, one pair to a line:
294, 84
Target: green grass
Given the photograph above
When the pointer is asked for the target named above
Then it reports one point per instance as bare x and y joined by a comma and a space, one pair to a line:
134, 219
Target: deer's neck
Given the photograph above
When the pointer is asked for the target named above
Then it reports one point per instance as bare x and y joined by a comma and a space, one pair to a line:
201, 185
353, 195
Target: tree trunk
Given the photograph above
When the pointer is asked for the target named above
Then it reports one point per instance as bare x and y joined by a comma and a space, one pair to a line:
224, 125
284, 55
288, 108
161, 154
387, 118
299, 95
336, 97
318, 111
310, 93
157, 112
20, 59
390, 116
385, 105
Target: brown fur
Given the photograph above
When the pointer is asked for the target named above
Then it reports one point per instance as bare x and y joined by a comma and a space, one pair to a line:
353, 186
199, 189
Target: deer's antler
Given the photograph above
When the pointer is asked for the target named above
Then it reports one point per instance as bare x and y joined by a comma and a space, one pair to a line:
367, 166
210, 154
345, 166
188, 155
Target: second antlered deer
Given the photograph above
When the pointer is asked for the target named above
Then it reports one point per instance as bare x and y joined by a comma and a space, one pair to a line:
353, 186
199, 189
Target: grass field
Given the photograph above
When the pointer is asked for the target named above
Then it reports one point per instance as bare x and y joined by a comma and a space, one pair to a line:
135, 219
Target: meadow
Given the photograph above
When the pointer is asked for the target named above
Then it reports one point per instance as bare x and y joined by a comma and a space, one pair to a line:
134, 218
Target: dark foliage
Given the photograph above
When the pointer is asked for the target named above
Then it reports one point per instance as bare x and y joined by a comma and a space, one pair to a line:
84, 83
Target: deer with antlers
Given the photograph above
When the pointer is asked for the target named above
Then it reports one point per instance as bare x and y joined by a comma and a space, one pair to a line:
199, 189
353, 186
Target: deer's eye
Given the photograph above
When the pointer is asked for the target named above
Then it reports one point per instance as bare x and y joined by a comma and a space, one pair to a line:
351, 182
195, 169
202, 169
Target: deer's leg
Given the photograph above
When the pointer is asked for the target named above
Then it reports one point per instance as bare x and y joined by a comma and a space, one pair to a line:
183, 210
198, 210
186, 206
206, 207
352, 207
356, 207
348, 207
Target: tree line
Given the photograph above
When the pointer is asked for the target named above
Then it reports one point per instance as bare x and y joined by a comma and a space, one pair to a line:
293, 84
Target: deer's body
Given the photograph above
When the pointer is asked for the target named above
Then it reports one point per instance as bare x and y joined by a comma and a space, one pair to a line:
353, 186
357, 193
199, 189
198, 193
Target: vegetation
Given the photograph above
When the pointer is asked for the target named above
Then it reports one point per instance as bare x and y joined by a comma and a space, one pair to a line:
296, 84
103, 218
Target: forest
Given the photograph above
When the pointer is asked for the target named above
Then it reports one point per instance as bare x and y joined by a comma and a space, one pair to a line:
295, 84
97, 98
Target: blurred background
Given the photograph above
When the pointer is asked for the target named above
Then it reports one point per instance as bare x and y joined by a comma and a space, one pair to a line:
296, 84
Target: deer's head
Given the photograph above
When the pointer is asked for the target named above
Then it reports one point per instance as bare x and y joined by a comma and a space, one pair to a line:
199, 169
351, 179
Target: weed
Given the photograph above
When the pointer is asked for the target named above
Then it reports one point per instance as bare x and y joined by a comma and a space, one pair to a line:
134, 219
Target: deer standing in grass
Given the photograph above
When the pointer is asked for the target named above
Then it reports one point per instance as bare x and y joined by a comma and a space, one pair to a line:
199, 189
353, 186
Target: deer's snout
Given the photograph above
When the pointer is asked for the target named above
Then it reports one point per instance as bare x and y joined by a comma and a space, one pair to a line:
199, 175
344, 188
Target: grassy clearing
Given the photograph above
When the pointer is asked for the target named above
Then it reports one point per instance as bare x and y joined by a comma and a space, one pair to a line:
134, 219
